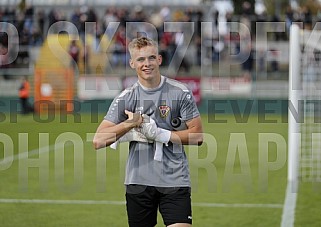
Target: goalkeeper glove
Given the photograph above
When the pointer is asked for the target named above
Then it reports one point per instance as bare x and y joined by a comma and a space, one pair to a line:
131, 135
159, 135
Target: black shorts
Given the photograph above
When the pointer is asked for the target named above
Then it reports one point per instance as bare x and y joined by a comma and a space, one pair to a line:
142, 203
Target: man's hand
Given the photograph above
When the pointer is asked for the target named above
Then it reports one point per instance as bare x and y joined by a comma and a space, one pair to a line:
134, 119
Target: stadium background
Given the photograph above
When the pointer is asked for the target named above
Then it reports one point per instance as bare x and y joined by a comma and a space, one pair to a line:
224, 69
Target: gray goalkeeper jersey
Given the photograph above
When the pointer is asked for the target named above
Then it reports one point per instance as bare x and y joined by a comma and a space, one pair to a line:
169, 100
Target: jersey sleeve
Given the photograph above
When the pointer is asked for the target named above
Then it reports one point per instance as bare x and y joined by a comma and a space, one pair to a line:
116, 111
188, 108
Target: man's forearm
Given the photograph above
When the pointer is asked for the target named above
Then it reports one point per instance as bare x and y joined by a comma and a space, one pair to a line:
187, 137
106, 136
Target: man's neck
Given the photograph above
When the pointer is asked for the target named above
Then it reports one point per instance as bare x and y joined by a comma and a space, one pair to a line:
153, 85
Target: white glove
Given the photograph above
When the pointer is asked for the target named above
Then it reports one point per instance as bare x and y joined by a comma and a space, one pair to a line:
131, 135
162, 137
148, 127
152, 132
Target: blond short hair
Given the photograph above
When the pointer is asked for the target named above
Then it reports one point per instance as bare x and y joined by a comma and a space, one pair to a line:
141, 42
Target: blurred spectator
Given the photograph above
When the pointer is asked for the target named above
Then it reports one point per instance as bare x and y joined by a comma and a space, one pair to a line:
28, 19
139, 15
75, 18
41, 22
195, 15
82, 22
86, 58
261, 25
198, 46
179, 47
9, 15
123, 16
274, 60
245, 19
24, 91
110, 16
4, 59
36, 38
119, 51
92, 18
167, 47
218, 47
307, 18
261, 59
24, 37
247, 65
288, 19
276, 25
53, 17
91, 15
74, 52
165, 12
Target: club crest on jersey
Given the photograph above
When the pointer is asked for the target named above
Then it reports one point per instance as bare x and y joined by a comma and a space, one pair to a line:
164, 110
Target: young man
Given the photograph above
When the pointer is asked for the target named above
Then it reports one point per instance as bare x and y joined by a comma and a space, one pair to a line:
142, 114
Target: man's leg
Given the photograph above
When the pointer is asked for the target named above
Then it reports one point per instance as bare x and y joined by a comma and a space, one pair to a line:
175, 206
142, 204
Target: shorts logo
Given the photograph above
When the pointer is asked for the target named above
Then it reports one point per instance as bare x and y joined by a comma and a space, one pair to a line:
164, 110
189, 217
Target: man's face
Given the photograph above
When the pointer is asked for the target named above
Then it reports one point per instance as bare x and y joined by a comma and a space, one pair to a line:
146, 62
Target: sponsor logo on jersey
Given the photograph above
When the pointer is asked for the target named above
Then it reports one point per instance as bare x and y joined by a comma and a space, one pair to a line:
164, 110
139, 109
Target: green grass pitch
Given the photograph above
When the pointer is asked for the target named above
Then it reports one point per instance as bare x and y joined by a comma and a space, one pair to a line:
238, 175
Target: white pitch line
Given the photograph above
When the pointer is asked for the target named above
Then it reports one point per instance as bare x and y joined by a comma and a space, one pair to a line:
106, 202
62, 202
239, 205
288, 214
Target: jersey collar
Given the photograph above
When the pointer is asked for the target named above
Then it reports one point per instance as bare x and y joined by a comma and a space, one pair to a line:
153, 89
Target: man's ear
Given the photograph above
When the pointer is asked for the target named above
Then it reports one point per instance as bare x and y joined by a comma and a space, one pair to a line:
131, 63
160, 59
